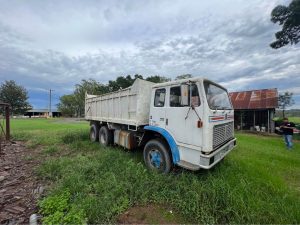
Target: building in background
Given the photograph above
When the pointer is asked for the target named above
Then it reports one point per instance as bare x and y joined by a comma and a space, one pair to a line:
41, 113
255, 110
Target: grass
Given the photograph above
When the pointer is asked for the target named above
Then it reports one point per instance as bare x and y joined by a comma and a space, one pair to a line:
259, 182
294, 119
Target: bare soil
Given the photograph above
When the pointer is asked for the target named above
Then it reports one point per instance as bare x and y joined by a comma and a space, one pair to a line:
150, 214
19, 187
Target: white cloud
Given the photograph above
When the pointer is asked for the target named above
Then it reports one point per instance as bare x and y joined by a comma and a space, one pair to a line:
55, 44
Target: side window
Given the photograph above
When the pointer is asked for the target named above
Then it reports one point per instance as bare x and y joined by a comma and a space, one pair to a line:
159, 99
175, 96
195, 95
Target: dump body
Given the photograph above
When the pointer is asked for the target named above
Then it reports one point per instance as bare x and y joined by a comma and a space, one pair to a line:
129, 106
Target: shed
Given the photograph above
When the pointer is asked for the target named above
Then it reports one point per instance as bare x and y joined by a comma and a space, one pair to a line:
41, 113
255, 109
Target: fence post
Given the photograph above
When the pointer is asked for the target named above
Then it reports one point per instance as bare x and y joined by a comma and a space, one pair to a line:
7, 122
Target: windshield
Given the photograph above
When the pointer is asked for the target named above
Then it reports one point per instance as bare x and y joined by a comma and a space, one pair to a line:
217, 97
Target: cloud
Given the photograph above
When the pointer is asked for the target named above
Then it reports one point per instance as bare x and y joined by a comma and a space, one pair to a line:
55, 44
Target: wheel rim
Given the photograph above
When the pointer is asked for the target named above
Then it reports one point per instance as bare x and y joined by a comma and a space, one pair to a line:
102, 138
155, 159
93, 135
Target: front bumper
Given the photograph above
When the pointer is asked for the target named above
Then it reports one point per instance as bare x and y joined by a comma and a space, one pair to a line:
208, 161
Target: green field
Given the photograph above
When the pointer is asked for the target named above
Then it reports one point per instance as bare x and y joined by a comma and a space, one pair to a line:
258, 182
294, 119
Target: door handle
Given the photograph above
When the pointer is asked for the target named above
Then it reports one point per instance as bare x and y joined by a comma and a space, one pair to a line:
167, 121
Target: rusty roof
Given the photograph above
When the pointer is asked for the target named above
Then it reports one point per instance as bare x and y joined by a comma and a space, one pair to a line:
255, 99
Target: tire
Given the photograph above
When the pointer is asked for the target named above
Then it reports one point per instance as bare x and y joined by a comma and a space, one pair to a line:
105, 136
157, 156
94, 133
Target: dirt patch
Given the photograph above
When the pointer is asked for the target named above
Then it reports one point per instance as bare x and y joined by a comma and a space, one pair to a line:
150, 214
19, 188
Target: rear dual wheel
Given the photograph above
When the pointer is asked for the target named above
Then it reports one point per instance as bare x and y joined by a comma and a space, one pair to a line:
105, 136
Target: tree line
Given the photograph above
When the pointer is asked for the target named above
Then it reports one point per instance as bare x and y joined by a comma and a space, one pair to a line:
73, 104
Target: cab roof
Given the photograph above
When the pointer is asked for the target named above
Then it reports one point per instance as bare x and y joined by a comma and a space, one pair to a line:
193, 79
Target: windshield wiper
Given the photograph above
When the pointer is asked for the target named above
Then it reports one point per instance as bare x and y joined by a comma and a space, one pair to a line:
221, 108
224, 108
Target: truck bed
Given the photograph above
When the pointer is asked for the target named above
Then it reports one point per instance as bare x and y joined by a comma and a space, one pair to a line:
128, 106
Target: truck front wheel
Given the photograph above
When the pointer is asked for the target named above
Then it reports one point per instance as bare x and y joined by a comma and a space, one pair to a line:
157, 156
105, 136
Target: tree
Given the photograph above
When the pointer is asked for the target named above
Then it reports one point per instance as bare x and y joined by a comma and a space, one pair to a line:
87, 86
158, 79
15, 95
285, 100
138, 76
67, 105
120, 83
184, 76
289, 18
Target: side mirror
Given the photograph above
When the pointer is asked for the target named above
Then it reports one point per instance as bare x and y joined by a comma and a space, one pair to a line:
184, 89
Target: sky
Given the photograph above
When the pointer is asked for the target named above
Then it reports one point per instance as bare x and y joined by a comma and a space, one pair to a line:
55, 44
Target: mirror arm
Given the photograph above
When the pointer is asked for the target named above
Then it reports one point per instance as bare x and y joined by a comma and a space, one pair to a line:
187, 115
196, 113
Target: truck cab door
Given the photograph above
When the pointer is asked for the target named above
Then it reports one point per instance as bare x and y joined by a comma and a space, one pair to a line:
157, 108
183, 119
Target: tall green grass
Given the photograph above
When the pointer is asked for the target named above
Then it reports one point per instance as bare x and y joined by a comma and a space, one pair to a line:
258, 182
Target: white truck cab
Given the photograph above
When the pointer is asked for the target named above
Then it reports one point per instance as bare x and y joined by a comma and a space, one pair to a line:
190, 122
198, 114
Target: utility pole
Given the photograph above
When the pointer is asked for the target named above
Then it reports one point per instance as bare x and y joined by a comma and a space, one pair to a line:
50, 93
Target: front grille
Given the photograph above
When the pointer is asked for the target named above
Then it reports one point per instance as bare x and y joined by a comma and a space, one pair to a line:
222, 134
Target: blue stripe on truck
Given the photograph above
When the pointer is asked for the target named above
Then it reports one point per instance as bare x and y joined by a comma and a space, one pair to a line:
170, 140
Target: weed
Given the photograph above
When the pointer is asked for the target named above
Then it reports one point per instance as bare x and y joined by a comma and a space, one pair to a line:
51, 149
58, 209
20, 136
72, 136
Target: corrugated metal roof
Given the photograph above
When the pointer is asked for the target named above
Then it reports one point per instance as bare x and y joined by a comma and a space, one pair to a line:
255, 99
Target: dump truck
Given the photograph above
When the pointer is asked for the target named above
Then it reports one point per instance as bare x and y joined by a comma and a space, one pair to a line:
187, 123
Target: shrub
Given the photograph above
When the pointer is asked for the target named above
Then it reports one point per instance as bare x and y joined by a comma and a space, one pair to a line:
58, 209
